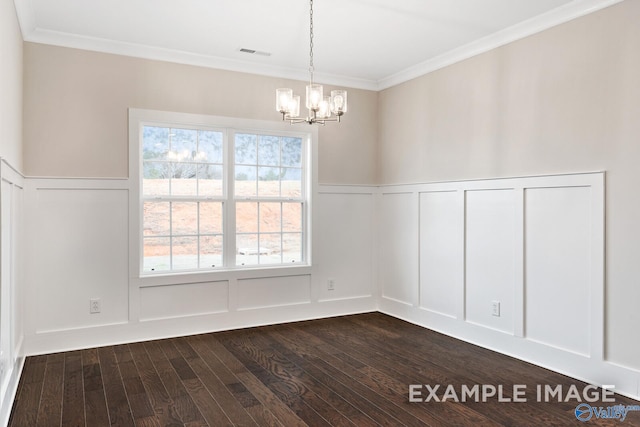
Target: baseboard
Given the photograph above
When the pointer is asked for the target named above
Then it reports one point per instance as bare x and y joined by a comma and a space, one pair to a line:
82, 338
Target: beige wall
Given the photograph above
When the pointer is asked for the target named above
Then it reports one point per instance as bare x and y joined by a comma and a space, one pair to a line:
565, 100
10, 85
76, 111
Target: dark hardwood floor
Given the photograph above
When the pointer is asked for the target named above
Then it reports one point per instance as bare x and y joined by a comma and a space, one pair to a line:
353, 370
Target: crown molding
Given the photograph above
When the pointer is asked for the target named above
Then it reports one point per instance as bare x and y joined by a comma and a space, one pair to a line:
560, 15
75, 41
557, 16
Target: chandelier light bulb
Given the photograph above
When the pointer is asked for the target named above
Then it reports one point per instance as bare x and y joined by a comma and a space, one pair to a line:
283, 98
314, 96
339, 102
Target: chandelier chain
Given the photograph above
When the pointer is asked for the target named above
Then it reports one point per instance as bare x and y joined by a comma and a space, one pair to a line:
311, 67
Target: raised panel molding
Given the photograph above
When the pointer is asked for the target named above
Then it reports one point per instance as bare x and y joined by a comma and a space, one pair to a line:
490, 258
558, 265
190, 299
442, 253
273, 292
398, 262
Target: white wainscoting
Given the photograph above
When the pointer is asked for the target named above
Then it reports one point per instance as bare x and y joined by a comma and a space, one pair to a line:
11, 295
436, 255
78, 246
535, 245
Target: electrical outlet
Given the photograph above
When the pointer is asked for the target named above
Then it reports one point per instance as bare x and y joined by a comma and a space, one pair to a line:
94, 305
495, 308
331, 284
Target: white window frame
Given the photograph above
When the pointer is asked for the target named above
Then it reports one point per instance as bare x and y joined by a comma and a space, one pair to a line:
138, 118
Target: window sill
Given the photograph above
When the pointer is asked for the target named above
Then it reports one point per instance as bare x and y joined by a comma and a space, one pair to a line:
219, 275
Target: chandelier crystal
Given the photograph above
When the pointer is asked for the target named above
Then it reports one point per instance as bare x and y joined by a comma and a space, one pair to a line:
321, 108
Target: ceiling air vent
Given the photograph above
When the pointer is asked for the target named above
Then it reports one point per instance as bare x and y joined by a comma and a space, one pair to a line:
254, 52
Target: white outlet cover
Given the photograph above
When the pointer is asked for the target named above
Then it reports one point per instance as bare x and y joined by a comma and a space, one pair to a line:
495, 308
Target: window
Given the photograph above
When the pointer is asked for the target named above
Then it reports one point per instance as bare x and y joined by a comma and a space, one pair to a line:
268, 188
215, 197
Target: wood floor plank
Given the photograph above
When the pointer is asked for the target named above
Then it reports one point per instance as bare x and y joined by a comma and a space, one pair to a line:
350, 370
173, 378
115, 394
50, 410
96, 411
139, 403
73, 414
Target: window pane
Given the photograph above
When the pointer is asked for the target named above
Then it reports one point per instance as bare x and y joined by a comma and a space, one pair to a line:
185, 253
184, 143
246, 181
156, 219
292, 217
292, 183
245, 149
247, 249
155, 181
292, 152
269, 182
210, 251
246, 217
210, 146
210, 180
183, 179
269, 150
155, 143
270, 217
157, 254
270, 249
292, 247
184, 218
210, 218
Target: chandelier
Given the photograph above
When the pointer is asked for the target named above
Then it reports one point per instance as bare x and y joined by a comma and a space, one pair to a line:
321, 108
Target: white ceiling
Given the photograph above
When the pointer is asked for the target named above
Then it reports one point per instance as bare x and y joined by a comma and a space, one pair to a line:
370, 44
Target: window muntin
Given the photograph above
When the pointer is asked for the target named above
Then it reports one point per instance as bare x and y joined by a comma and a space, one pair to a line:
187, 202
